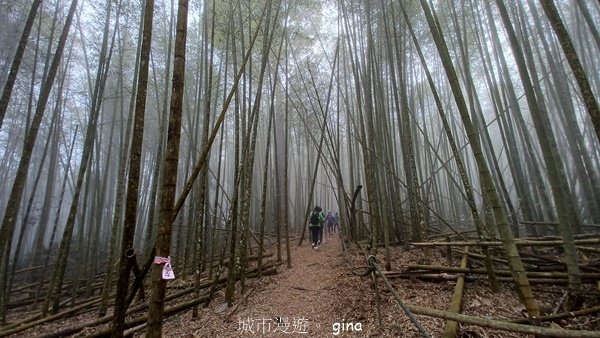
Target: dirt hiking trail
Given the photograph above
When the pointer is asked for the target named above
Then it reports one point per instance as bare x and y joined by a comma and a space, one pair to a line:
304, 301
320, 297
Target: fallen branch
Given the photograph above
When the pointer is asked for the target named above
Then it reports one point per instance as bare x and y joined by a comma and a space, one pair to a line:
455, 305
517, 242
29, 325
533, 274
502, 325
442, 277
105, 319
405, 308
143, 319
130, 332
554, 224
108, 318
563, 315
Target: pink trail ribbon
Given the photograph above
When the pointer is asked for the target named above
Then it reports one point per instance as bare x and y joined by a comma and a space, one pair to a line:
162, 260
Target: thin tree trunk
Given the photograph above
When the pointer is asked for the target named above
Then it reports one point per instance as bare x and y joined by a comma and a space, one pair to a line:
459, 162
169, 179
125, 136
202, 200
133, 180
16, 63
560, 191
582, 161
589, 99
53, 138
263, 206
57, 216
16, 194
59, 271
516, 265
286, 192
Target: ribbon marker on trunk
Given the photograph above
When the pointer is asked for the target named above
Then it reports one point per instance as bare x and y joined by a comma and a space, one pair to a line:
167, 272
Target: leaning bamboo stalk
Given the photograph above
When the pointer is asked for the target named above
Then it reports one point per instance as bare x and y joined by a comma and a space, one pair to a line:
455, 305
487, 181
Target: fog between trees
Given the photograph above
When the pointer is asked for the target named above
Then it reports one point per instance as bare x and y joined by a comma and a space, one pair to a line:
204, 129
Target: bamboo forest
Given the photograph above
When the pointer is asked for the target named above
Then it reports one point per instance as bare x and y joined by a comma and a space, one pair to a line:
301, 168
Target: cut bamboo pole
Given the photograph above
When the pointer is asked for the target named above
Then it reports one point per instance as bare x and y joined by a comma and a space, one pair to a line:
455, 305
534, 274
517, 242
572, 314
484, 322
442, 277
502, 325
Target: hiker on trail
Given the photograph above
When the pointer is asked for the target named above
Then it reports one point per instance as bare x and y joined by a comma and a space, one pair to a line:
316, 225
336, 222
329, 222
321, 228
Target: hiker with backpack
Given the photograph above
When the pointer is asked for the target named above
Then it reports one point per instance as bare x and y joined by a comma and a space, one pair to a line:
330, 221
316, 226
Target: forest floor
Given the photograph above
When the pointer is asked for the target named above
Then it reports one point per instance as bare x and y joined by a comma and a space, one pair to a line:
321, 297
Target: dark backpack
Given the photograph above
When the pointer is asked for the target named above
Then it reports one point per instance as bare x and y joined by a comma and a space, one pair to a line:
314, 218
